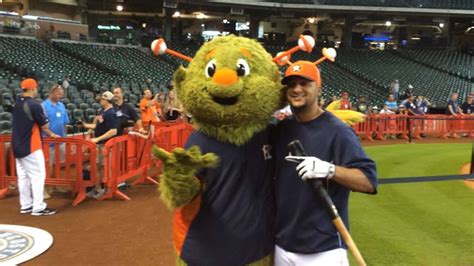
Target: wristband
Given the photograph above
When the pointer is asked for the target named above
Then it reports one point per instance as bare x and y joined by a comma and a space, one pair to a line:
332, 171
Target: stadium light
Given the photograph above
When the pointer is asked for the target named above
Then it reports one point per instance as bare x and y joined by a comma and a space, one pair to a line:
119, 8
200, 15
388, 23
441, 25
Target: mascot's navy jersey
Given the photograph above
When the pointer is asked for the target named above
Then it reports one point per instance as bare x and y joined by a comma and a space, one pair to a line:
236, 217
302, 223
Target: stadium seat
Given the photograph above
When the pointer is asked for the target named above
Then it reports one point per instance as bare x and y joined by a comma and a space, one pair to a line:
78, 115
5, 127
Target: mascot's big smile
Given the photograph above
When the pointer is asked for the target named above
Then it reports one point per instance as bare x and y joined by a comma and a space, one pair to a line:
225, 101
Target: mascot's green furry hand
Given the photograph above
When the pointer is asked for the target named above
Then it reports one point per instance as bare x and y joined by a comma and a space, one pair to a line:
178, 184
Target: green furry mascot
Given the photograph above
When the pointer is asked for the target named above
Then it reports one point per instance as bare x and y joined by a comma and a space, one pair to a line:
220, 185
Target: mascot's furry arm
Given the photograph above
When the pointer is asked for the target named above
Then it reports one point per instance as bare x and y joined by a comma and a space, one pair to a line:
178, 184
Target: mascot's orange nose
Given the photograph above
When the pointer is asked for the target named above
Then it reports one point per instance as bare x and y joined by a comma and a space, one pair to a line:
225, 77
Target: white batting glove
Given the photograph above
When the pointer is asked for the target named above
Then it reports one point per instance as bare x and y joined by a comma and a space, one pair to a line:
312, 167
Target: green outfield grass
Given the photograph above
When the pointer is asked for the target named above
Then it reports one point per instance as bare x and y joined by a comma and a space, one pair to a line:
430, 223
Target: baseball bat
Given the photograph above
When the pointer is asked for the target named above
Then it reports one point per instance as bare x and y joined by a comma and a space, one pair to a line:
297, 149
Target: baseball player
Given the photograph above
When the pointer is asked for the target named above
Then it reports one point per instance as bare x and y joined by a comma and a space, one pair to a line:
29, 119
305, 234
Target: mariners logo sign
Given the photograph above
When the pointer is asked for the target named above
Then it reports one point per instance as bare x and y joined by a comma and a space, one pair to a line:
20, 243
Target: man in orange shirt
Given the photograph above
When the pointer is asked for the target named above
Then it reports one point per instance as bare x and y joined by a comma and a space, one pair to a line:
150, 108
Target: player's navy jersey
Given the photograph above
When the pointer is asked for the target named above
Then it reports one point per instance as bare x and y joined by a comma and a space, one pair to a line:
232, 221
28, 118
302, 223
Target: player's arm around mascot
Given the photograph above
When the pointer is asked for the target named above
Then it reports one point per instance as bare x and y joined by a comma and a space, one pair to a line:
220, 186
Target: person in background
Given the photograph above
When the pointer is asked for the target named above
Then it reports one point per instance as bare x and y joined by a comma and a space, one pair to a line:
304, 232
58, 120
173, 108
468, 106
362, 106
453, 106
422, 104
410, 106
29, 120
386, 111
66, 81
394, 89
375, 110
328, 102
105, 127
401, 110
321, 102
345, 102
391, 103
148, 107
408, 92
125, 113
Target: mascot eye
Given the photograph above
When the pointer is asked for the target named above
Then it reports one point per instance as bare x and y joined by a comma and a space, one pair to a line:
243, 68
210, 68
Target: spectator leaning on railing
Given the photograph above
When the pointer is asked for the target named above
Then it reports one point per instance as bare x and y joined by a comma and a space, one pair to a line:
391, 103
422, 104
468, 106
453, 106
411, 107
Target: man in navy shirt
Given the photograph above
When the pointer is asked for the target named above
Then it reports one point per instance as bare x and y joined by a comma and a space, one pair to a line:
125, 113
468, 106
305, 234
105, 127
106, 123
410, 106
29, 120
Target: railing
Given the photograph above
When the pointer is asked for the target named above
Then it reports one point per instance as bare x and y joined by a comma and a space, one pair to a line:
71, 157
405, 126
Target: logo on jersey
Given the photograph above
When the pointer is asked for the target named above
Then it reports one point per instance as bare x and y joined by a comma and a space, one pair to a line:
267, 155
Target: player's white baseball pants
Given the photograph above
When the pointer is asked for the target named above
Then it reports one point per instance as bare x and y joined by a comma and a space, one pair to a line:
31, 174
335, 257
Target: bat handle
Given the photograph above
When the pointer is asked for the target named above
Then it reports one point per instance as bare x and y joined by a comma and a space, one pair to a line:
341, 228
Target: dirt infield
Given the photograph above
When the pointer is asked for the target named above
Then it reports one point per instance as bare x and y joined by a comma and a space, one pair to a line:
113, 232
